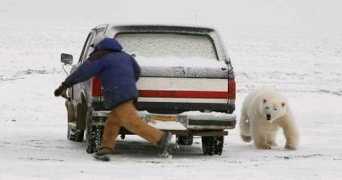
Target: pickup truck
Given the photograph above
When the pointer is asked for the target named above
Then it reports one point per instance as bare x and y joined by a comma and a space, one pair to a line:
187, 85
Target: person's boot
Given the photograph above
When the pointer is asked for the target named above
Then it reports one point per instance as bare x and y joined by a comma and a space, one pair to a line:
102, 154
165, 145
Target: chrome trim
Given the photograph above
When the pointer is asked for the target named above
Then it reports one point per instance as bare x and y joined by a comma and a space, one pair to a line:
100, 113
184, 119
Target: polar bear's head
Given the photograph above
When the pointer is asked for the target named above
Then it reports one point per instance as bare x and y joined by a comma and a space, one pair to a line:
273, 108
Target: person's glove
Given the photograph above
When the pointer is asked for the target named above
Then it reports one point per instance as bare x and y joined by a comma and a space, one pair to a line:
60, 90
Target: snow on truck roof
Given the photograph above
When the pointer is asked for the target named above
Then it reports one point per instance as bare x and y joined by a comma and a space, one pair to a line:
157, 28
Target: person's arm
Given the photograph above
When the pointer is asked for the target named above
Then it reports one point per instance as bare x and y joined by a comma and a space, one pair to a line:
82, 73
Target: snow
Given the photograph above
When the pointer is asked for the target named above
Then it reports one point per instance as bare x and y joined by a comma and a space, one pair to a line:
180, 62
208, 115
167, 125
174, 45
182, 67
293, 45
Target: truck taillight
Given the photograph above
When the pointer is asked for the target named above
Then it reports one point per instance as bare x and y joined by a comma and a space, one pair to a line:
96, 87
231, 89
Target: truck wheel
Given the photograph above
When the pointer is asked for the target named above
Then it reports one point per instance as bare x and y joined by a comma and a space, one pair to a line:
185, 140
75, 134
212, 145
94, 135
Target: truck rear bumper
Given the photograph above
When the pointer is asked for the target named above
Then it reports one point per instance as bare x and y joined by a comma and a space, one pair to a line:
187, 121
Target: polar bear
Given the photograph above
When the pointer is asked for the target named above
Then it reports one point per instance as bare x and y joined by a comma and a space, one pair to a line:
263, 112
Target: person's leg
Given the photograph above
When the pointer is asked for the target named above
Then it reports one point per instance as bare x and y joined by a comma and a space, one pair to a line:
129, 119
111, 131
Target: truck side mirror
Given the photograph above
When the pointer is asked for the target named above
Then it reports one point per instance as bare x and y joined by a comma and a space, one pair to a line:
66, 59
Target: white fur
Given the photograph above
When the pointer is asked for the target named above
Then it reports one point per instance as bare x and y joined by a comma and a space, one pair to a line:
263, 104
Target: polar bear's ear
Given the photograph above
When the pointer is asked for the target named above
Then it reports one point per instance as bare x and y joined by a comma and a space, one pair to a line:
283, 104
264, 101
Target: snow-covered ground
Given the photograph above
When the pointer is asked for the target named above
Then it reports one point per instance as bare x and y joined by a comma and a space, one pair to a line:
296, 50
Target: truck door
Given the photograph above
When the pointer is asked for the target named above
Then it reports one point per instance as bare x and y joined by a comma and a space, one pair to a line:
78, 88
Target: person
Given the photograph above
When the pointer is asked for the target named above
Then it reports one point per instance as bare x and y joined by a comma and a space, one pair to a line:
118, 73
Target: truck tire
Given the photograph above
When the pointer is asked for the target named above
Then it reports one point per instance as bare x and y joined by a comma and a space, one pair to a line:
185, 140
94, 135
75, 134
93, 139
212, 145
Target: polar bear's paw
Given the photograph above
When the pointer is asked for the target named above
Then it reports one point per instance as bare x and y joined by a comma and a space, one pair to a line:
246, 138
290, 147
264, 146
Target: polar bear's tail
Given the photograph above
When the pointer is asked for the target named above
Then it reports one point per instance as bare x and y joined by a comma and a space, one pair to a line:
244, 126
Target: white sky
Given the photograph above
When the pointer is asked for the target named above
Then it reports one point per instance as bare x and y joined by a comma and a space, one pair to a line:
292, 14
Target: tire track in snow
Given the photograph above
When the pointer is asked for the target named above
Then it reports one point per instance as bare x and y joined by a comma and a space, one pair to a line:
28, 72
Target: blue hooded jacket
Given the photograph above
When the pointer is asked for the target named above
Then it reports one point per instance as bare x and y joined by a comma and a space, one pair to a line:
117, 71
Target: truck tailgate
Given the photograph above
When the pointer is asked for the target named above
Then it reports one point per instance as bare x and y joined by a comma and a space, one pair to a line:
174, 89
186, 90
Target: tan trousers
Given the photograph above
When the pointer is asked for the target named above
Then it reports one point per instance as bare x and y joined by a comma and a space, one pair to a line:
125, 115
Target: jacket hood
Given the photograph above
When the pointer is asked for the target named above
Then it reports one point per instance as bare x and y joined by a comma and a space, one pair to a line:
109, 44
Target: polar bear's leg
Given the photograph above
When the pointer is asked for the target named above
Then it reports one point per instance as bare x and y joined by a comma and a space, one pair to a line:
245, 126
271, 135
290, 132
271, 138
260, 135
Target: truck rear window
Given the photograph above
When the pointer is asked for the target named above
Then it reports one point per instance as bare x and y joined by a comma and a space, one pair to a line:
156, 45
